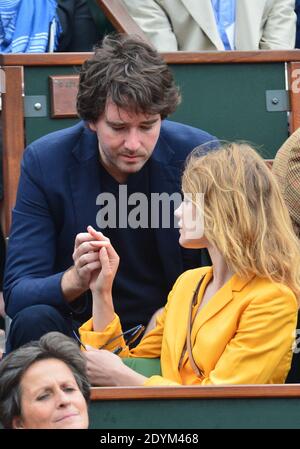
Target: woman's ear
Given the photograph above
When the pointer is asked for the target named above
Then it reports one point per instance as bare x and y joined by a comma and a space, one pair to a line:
17, 422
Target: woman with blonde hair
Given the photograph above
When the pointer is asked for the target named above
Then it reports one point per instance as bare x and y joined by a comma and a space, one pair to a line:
232, 323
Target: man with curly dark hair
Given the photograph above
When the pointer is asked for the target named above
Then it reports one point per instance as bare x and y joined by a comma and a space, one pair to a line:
103, 172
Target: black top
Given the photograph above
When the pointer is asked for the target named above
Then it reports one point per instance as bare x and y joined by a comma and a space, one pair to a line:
137, 248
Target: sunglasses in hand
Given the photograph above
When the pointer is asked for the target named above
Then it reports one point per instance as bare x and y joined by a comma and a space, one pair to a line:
130, 336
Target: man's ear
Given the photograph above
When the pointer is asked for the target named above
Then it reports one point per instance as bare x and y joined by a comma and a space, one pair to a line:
17, 422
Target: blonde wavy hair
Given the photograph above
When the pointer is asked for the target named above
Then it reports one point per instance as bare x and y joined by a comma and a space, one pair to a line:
245, 217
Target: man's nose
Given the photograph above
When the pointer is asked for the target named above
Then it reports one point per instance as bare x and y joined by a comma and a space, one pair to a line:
132, 142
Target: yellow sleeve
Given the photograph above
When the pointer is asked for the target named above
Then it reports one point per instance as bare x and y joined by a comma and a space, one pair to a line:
149, 347
261, 344
97, 339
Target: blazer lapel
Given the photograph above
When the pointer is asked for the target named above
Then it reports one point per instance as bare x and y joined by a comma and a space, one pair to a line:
220, 300
84, 177
202, 12
165, 179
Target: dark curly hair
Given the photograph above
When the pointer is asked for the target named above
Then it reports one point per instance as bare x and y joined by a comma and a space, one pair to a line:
132, 74
13, 367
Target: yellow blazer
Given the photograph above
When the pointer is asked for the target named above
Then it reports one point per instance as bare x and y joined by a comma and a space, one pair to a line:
189, 25
243, 335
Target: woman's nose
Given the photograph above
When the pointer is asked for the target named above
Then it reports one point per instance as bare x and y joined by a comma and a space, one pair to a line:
178, 211
63, 398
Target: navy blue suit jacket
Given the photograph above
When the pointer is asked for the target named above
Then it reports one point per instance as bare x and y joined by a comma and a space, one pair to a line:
56, 200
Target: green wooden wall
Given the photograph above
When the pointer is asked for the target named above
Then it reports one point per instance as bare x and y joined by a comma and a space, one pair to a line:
227, 100
223, 413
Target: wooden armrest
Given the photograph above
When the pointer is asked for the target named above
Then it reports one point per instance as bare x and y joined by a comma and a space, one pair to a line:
117, 14
193, 392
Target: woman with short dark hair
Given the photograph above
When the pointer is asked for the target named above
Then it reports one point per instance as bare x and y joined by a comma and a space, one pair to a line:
43, 385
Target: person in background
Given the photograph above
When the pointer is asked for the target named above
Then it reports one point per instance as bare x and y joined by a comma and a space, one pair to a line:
210, 25
44, 385
286, 169
231, 323
124, 147
28, 26
79, 30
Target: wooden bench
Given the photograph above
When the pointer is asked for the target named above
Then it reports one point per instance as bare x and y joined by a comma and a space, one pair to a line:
212, 407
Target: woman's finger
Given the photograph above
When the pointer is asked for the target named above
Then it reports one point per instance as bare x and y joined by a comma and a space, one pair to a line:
112, 253
104, 259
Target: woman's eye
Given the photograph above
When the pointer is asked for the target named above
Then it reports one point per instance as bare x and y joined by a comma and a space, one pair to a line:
43, 397
69, 389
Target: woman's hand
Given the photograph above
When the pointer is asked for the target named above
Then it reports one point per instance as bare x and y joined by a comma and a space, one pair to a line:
101, 281
106, 369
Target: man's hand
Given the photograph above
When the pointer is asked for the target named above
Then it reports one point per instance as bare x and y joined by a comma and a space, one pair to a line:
76, 280
106, 369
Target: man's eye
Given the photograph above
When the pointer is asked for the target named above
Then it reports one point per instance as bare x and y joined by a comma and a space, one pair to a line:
118, 128
146, 127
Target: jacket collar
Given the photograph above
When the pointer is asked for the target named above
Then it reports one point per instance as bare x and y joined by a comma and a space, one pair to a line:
204, 16
86, 146
165, 178
162, 153
84, 175
221, 299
